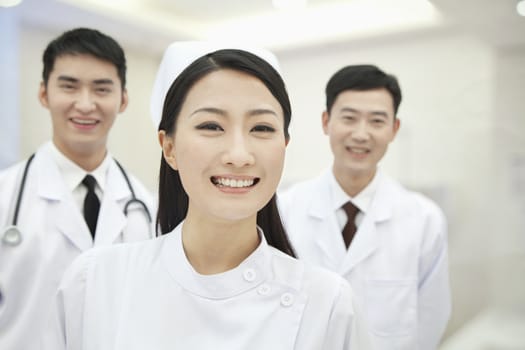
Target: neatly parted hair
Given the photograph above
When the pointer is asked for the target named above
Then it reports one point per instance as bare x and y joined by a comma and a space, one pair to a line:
361, 78
173, 199
85, 41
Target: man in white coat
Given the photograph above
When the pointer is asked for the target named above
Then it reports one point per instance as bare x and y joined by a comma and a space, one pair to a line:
389, 242
59, 214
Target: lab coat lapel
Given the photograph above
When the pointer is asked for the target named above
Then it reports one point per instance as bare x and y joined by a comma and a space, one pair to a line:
365, 242
367, 238
325, 223
112, 220
60, 203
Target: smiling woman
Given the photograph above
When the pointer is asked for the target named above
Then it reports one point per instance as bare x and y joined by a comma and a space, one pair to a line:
223, 256
241, 138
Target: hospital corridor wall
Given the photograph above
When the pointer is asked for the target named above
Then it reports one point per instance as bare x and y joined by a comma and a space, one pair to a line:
461, 142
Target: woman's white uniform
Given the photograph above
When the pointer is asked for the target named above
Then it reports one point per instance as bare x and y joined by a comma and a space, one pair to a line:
146, 295
53, 233
397, 262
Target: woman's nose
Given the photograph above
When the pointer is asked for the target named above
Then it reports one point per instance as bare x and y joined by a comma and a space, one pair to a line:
238, 152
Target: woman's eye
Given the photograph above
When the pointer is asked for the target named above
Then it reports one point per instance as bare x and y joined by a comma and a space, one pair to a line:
209, 126
263, 128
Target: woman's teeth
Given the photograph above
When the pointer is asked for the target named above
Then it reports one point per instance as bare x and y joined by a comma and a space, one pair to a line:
233, 182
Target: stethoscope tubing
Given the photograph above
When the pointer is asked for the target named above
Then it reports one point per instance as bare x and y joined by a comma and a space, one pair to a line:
21, 190
133, 199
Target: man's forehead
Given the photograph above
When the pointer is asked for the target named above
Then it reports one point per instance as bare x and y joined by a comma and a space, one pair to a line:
84, 68
84, 63
364, 100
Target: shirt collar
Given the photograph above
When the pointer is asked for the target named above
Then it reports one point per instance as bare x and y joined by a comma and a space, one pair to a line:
73, 174
362, 200
254, 270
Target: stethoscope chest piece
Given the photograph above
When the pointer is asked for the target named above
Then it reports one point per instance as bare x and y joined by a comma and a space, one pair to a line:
12, 236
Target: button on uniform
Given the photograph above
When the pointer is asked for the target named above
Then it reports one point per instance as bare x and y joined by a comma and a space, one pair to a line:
287, 299
249, 275
263, 289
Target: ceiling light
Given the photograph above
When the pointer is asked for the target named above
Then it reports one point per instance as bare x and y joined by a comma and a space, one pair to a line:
520, 8
289, 4
334, 21
9, 3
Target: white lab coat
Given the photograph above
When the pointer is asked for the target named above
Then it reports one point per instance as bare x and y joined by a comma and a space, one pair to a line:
397, 262
146, 295
54, 232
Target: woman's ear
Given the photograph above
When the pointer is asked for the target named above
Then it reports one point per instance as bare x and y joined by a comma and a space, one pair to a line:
168, 148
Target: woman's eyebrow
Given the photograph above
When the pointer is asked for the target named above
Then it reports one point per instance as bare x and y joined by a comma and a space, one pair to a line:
252, 112
261, 111
212, 110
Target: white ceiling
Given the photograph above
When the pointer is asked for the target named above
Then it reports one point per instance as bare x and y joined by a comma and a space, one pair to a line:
152, 24
494, 21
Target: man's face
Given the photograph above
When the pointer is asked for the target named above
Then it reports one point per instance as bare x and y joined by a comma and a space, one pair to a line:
84, 95
360, 126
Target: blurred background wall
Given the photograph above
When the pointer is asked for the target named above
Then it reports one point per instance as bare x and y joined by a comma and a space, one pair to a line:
461, 140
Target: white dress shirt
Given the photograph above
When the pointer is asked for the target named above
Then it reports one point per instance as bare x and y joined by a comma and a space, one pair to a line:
74, 174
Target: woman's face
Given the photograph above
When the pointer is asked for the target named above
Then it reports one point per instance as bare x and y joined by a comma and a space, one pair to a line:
228, 146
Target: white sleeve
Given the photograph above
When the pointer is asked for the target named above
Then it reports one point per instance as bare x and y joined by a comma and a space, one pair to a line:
64, 330
434, 289
347, 328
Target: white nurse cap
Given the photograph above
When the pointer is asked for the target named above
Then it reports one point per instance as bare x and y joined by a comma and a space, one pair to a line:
179, 55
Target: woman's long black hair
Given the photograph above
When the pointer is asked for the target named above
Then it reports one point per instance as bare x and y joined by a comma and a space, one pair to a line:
173, 199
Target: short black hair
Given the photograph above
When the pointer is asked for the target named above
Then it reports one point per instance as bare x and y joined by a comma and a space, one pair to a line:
86, 41
361, 77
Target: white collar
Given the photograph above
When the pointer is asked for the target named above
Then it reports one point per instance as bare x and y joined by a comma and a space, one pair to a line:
74, 174
254, 270
362, 200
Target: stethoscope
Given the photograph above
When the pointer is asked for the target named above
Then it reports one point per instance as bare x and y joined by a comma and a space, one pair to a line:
13, 236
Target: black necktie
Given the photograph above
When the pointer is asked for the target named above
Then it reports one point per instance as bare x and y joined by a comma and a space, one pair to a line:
91, 204
349, 230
